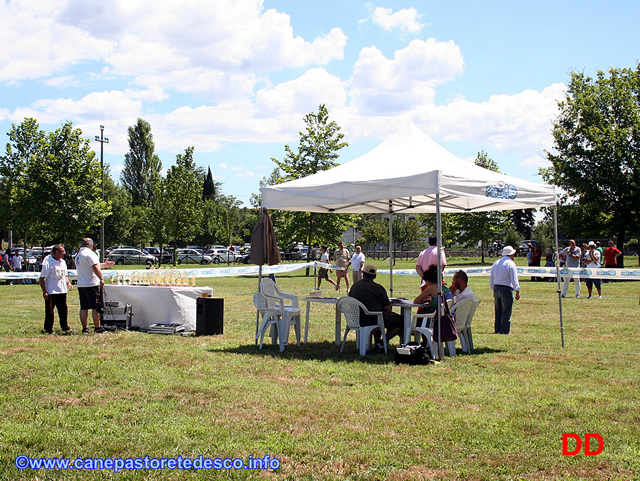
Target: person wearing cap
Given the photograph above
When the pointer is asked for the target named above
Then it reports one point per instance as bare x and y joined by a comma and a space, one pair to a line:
375, 298
90, 281
592, 261
503, 281
54, 282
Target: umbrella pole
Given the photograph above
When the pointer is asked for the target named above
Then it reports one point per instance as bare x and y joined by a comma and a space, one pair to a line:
258, 312
391, 248
555, 226
439, 298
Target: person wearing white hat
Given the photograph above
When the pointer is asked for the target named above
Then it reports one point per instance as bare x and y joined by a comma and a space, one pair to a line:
592, 261
503, 281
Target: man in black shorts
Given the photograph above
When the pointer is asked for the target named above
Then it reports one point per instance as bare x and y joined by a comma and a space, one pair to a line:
90, 281
375, 298
323, 272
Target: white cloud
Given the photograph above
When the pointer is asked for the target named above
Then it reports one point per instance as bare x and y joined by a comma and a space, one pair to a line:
217, 51
519, 124
407, 19
536, 161
383, 86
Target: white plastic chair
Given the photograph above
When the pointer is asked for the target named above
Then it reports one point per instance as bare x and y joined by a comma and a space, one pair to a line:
270, 319
286, 306
422, 328
462, 311
465, 333
351, 309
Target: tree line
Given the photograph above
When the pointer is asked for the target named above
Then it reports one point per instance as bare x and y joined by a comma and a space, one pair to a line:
50, 184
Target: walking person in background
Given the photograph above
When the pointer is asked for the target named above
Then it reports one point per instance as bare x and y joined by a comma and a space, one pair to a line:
504, 281
55, 284
323, 272
341, 259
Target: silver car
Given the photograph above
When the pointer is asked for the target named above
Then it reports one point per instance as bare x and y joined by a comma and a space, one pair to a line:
192, 256
131, 256
223, 255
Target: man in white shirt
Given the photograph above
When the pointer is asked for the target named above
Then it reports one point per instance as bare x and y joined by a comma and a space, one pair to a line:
571, 256
90, 281
55, 285
459, 287
16, 263
357, 261
592, 261
503, 281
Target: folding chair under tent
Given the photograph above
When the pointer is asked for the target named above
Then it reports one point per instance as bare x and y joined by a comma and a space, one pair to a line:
410, 173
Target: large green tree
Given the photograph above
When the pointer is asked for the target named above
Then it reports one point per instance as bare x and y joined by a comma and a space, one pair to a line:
596, 157
142, 165
182, 199
27, 146
58, 186
317, 151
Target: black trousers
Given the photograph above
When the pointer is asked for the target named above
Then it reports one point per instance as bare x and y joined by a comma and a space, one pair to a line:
59, 301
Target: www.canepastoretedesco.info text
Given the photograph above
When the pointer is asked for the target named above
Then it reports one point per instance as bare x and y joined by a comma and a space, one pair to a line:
119, 464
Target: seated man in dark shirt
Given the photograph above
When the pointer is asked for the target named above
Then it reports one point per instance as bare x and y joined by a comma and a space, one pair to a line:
375, 298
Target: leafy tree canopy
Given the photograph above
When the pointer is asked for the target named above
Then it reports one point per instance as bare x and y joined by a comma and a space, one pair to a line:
596, 157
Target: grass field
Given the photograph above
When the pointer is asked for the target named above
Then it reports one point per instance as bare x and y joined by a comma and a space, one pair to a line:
497, 414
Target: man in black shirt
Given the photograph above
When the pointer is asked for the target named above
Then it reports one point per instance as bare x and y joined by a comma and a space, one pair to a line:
375, 298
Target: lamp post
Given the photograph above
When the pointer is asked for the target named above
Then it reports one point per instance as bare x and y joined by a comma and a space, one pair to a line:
103, 140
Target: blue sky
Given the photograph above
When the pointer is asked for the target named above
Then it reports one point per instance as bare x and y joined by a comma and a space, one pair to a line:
234, 78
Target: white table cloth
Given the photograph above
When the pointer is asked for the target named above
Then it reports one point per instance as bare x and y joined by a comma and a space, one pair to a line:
152, 305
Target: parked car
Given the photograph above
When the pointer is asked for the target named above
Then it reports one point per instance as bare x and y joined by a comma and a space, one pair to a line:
297, 253
523, 248
223, 255
192, 256
131, 256
167, 257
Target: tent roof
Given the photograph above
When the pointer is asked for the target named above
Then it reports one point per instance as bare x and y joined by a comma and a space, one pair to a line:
408, 170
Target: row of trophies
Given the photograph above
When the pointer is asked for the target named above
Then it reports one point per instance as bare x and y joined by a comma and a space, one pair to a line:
156, 277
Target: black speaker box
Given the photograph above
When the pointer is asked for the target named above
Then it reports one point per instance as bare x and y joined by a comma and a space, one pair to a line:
209, 316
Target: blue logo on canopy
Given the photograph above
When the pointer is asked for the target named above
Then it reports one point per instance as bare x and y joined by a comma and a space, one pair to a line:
506, 191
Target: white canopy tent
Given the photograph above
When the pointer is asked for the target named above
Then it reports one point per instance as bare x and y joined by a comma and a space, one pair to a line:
408, 173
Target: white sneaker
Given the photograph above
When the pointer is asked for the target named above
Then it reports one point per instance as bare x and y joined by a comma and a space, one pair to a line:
599, 297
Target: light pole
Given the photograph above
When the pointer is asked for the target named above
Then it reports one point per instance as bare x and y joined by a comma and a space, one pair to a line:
103, 140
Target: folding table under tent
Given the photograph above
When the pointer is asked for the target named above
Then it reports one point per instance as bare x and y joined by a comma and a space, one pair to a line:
409, 173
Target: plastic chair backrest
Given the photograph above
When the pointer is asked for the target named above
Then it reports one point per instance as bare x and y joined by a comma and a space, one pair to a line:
350, 307
473, 313
268, 287
260, 302
462, 311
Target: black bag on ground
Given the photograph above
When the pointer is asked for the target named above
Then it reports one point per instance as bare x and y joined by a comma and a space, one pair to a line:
412, 353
